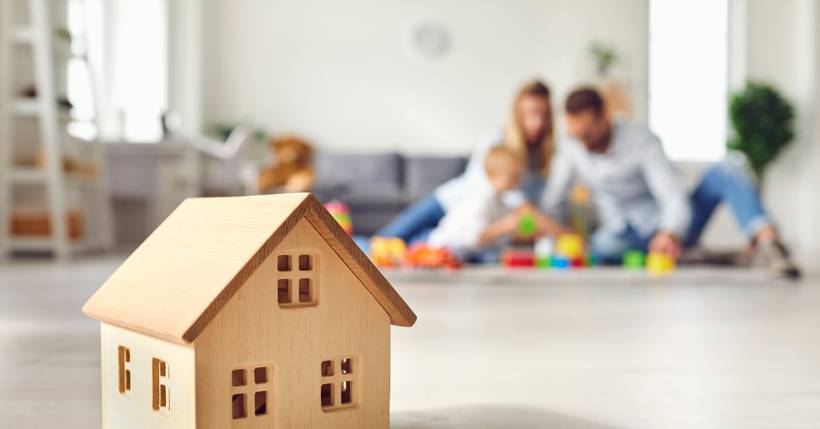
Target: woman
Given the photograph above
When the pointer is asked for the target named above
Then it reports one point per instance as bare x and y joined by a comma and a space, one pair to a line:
529, 132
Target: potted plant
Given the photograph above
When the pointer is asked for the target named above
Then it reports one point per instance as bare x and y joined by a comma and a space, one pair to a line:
604, 57
763, 124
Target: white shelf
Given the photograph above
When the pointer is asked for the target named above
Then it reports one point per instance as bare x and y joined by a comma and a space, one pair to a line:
27, 175
45, 244
25, 107
29, 107
30, 175
39, 40
22, 35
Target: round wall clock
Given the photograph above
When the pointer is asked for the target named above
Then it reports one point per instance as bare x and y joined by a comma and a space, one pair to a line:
431, 39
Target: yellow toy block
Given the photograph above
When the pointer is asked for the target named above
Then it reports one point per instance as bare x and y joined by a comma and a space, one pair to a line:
387, 251
659, 263
570, 246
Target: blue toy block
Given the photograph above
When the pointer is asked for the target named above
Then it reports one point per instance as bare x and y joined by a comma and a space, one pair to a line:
560, 262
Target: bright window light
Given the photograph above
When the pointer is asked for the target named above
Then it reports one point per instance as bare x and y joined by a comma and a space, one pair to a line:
688, 77
139, 67
118, 68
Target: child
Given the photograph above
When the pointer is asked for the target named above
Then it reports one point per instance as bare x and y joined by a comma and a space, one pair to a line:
477, 227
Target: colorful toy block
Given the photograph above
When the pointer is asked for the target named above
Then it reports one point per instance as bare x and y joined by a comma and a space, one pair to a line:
659, 263
425, 256
341, 213
387, 251
518, 258
633, 260
560, 262
570, 246
543, 249
526, 226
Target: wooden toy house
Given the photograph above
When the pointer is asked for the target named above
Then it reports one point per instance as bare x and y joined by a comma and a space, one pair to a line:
247, 312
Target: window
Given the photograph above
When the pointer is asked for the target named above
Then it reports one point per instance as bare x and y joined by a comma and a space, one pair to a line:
338, 378
250, 386
124, 368
688, 77
160, 394
124, 42
296, 282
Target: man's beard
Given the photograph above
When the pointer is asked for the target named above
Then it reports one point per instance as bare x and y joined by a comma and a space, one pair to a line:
602, 144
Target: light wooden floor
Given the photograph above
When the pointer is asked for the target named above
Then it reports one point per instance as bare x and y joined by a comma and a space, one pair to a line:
493, 349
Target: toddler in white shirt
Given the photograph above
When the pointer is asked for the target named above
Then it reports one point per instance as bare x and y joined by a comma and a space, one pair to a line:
482, 223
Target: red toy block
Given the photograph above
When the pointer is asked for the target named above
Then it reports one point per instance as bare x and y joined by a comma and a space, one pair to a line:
518, 259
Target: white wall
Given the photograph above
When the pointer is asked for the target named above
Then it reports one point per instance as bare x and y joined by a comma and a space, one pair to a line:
343, 73
185, 63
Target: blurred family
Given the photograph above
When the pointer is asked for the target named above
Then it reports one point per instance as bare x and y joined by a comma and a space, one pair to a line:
639, 197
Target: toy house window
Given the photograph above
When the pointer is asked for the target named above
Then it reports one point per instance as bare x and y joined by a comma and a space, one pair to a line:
124, 369
250, 387
296, 280
337, 391
160, 394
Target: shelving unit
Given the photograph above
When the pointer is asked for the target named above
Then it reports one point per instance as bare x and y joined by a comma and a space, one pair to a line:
48, 180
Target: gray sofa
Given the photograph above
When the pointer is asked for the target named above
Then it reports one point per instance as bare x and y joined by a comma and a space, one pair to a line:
377, 187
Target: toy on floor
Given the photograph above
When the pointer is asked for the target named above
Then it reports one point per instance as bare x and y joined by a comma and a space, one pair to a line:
570, 246
425, 256
633, 260
341, 213
569, 252
560, 263
526, 226
544, 249
292, 170
659, 263
580, 210
233, 301
518, 258
387, 252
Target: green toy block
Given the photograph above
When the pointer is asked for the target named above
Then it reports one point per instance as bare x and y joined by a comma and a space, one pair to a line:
526, 225
542, 261
634, 259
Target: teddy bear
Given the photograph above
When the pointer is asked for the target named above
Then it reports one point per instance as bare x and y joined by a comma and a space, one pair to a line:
292, 169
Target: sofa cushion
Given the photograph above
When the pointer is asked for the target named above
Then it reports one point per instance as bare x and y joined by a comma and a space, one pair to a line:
423, 174
334, 168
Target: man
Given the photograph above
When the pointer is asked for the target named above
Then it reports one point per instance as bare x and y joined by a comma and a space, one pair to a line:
640, 198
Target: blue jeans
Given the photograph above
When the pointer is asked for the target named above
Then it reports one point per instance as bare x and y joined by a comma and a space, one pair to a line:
416, 222
723, 182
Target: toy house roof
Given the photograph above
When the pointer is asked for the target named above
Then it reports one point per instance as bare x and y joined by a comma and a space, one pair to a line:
174, 284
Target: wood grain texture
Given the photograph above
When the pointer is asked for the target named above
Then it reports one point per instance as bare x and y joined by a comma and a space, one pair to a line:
179, 279
252, 330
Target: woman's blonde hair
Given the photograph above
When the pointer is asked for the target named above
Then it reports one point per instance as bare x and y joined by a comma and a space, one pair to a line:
514, 135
